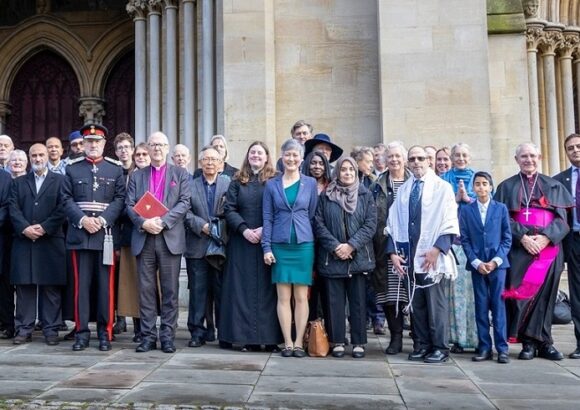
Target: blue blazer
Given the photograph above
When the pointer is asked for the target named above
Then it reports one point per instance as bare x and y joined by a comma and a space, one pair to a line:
279, 216
485, 242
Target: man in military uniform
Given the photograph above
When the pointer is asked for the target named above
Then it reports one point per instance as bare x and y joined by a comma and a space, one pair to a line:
93, 196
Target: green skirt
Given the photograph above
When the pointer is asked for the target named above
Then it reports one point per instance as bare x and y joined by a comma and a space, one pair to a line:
294, 263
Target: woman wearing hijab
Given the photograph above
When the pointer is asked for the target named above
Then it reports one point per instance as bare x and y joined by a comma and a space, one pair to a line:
346, 220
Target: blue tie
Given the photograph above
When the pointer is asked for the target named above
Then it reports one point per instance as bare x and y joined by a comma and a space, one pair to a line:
415, 200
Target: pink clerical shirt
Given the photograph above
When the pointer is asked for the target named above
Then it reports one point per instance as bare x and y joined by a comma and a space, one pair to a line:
157, 182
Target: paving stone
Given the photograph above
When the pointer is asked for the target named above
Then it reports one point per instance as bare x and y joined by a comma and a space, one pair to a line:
428, 371
419, 399
112, 378
130, 366
523, 404
322, 367
530, 391
130, 355
82, 395
435, 385
326, 385
176, 393
203, 376
250, 362
22, 389
37, 373
327, 401
47, 360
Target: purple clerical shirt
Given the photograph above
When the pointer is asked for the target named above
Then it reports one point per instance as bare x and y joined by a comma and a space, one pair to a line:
157, 182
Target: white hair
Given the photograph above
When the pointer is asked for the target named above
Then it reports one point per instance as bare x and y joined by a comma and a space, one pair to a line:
526, 144
399, 145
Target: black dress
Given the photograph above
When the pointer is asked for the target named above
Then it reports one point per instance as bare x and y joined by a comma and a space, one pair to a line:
248, 312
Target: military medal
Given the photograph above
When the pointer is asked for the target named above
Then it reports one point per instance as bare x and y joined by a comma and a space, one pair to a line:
95, 182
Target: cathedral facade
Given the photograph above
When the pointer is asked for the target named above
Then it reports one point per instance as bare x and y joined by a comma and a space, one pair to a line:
491, 73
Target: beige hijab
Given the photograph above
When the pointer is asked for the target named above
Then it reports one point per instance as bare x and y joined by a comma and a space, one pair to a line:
345, 196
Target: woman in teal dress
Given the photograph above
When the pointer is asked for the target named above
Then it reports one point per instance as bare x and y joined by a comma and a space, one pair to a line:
462, 326
289, 207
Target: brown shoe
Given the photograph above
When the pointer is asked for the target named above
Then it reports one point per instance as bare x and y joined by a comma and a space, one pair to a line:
20, 339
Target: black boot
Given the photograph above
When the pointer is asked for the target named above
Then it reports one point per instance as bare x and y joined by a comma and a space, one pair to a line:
120, 326
137, 338
395, 323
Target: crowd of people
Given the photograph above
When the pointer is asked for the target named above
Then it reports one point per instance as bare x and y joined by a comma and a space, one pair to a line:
414, 238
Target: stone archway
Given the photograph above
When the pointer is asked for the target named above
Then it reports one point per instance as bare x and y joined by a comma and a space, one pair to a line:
44, 100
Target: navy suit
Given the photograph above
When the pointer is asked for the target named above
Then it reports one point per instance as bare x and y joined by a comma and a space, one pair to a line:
485, 242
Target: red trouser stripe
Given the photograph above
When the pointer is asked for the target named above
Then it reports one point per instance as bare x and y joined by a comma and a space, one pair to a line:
76, 289
111, 300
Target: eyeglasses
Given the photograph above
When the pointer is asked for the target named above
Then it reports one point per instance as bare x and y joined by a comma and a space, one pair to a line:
420, 159
141, 154
158, 145
209, 160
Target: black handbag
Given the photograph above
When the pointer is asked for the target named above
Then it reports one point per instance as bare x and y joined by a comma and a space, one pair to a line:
215, 254
562, 310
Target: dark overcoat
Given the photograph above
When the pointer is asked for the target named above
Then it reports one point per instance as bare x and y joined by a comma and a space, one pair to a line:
39, 262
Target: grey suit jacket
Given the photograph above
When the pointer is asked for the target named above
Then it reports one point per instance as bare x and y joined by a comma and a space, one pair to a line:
197, 241
176, 198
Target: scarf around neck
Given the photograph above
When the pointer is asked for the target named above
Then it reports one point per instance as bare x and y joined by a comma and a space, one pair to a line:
346, 196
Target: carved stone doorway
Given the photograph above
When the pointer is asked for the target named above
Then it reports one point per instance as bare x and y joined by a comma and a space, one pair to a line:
120, 100
44, 101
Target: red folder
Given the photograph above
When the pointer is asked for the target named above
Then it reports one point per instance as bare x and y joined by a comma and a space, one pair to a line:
149, 207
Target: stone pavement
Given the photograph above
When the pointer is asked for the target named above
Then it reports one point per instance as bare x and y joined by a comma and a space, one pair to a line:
38, 376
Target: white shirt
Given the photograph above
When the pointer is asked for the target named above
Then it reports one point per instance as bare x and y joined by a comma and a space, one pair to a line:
483, 214
39, 179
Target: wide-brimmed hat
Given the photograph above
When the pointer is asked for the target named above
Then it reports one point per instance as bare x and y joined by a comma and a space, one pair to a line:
323, 138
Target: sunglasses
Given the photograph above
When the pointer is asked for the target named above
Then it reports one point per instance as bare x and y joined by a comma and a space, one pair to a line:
420, 159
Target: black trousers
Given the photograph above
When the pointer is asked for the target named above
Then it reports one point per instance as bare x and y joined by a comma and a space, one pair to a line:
49, 309
336, 291
203, 279
156, 256
6, 298
430, 315
88, 269
573, 259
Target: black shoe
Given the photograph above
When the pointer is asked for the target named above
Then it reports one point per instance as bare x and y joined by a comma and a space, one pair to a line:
418, 355
483, 356
528, 352
104, 345
51, 340
272, 349
298, 351
210, 335
38, 326
146, 347
338, 351
63, 327
575, 354
225, 345
286, 352
437, 356
358, 352
20, 340
548, 351
456, 349
503, 358
196, 342
396, 344
137, 338
6, 333
70, 335
168, 347
120, 326
80, 345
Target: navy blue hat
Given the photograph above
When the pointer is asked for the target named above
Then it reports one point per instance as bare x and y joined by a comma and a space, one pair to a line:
322, 138
94, 132
75, 135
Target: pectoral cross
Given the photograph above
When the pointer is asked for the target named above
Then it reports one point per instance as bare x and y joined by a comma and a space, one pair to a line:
527, 214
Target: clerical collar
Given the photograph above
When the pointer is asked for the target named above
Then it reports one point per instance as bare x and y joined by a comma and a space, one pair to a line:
159, 168
94, 161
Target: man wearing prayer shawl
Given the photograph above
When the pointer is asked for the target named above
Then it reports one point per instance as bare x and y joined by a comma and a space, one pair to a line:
421, 227
537, 206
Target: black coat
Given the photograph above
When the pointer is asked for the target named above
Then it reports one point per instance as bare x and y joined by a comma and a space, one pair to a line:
248, 311
335, 226
5, 184
43, 261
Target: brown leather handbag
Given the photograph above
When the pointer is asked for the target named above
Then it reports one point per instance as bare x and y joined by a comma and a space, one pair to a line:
316, 339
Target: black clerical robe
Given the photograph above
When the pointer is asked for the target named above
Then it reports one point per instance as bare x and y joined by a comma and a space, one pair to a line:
531, 319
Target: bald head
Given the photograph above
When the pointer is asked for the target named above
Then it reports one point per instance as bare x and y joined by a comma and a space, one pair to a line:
158, 146
38, 154
6, 147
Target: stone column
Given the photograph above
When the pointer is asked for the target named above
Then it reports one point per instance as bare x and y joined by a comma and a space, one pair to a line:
568, 46
4, 112
207, 73
137, 9
154, 21
171, 88
189, 75
92, 110
533, 34
549, 42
